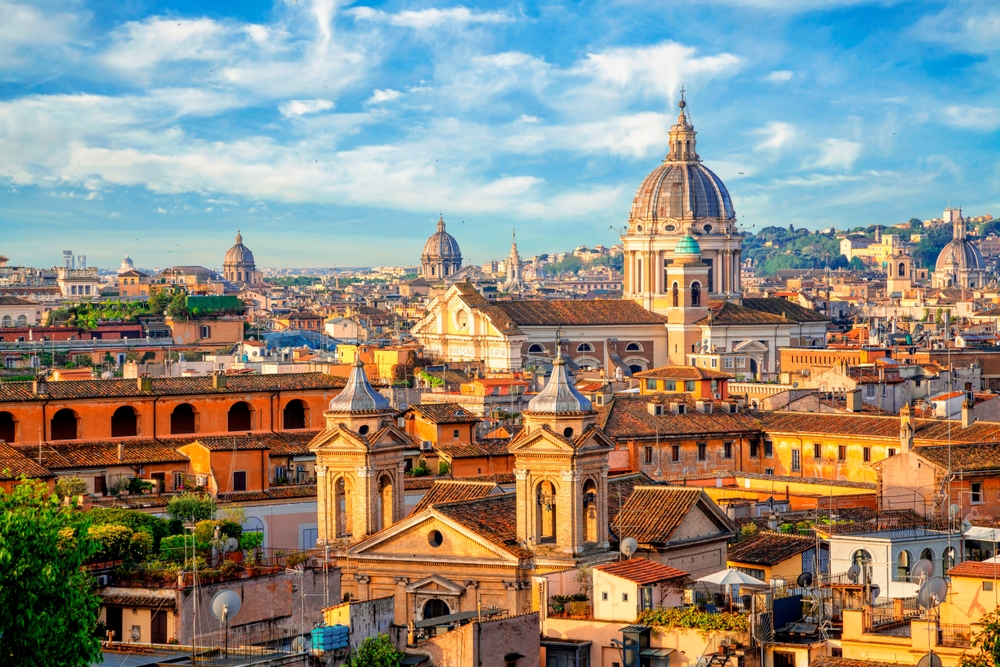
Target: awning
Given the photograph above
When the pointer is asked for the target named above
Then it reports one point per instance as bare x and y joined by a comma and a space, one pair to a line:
656, 652
983, 533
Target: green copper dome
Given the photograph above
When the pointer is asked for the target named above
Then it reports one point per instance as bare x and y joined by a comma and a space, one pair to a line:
686, 245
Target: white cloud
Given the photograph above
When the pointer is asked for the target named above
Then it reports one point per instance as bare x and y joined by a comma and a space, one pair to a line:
780, 76
387, 95
430, 18
776, 134
973, 118
140, 46
302, 107
160, 209
25, 30
837, 154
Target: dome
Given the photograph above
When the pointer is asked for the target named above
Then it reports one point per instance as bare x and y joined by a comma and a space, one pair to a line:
959, 254
442, 244
127, 265
559, 395
239, 253
687, 245
359, 395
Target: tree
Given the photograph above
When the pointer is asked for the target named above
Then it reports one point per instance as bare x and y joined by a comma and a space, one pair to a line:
191, 507
916, 223
70, 487
987, 640
376, 652
178, 306
48, 610
856, 264
159, 299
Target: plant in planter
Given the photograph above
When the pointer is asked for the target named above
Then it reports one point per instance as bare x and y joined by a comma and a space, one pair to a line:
297, 558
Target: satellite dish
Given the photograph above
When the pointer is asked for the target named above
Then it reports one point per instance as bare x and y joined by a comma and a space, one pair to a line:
232, 544
805, 580
854, 572
300, 644
929, 660
629, 546
966, 525
953, 510
225, 604
922, 571
795, 385
876, 589
932, 592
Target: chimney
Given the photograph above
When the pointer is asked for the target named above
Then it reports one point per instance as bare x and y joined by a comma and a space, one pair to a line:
145, 383
40, 386
968, 413
905, 428
219, 381
121, 452
854, 400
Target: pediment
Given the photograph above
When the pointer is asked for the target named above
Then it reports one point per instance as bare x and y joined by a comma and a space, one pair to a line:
411, 537
338, 439
539, 441
750, 346
437, 584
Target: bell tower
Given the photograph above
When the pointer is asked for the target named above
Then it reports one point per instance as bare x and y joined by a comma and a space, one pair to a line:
561, 472
686, 278
359, 464
899, 273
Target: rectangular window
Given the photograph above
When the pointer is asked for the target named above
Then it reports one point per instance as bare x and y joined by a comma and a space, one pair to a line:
689, 385
866, 453
796, 461
841, 453
647, 454
279, 473
768, 449
817, 450
240, 480
604, 596
768, 471
729, 362
701, 451
715, 363
206, 331
891, 451
669, 385
727, 449
987, 585
651, 385
675, 453
754, 449
977, 492
178, 480
870, 391
454, 433
741, 362
624, 597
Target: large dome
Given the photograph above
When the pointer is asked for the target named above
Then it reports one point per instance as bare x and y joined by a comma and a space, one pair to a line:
127, 265
239, 253
675, 190
959, 254
441, 244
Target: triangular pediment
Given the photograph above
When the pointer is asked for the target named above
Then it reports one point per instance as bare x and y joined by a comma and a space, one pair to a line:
414, 536
437, 584
541, 440
750, 346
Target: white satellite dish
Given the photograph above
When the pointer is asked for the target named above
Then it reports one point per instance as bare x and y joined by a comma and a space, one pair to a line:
932, 593
629, 546
953, 510
232, 544
225, 604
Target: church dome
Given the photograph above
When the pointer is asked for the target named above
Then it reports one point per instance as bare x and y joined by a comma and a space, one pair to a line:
441, 244
358, 394
960, 255
239, 253
559, 395
687, 245
127, 265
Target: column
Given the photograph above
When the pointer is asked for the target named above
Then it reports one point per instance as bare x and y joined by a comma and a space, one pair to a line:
322, 503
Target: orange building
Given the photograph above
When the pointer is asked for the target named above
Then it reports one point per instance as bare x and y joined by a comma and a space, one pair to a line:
440, 424
697, 382
794, 359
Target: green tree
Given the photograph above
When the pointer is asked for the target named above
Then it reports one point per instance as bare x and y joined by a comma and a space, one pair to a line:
48, 610
987, 640
376, 652
190, 507
159, 299
70, 487
178, 306
856, 264
916, 223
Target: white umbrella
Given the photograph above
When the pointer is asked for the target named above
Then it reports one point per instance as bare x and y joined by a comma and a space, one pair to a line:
731, 577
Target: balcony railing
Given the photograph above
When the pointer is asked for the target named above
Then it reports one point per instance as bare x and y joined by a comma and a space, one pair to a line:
958, 636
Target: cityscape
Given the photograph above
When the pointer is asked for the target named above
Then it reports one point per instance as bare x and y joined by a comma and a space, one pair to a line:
621, 382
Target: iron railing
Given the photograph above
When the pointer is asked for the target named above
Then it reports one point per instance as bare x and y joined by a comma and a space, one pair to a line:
958, 636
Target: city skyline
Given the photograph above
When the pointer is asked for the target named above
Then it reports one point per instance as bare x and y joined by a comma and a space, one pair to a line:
170, 123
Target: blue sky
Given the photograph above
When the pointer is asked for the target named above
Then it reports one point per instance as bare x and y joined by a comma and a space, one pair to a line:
334, 133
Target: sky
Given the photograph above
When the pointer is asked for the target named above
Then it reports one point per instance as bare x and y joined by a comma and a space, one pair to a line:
334, 133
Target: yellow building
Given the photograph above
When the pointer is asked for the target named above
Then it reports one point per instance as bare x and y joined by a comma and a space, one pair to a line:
769, 555
698, 382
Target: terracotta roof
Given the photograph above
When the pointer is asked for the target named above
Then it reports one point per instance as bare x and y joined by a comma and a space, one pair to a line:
620, 489
492, 517
122, 388
272, 493
118, 600
14, 464
444, 413
234, 441
100, 453
828, 661
767, 548
540, 312
292, 443
642, 571
652, 513
451, 490
787, 309
682, 373
15, 301
721, 474
730, 313
964, 458
480, 448
926, 430
627, 418
976, 569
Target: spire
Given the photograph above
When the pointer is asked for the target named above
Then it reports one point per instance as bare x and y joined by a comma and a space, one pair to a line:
441, 222
239, 237
559, 394
682, 136
958, 227
359, 395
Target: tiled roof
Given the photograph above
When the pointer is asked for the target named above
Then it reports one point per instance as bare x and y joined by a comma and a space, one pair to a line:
540, 312
730, 313
14, 464
15, 301
292, 443
125, 600
642, 571
272, 493
417, 483
620, 489
132, 502
627, 418
451, 490
652, 513
235, 441
963, 458
682, 373
722, 474
976, 569
828, 661
767, 548
492, 517
99, 453
444, 413
480, 448
787, 309
181, 386
926, 430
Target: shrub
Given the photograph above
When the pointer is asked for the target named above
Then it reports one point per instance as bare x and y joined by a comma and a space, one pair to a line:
297, 558
191, 507
691, 617
70, 487
250, 541
114, 541
172, 547
443, 468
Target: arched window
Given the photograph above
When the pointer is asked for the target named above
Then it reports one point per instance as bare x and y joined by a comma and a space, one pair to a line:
22, 320
240, 417
584, 347
947, 560
6, 321
636, 368
590, 511
8, 427
902, 269
633, 347
676, 294
862, 559
695, 294
254, 525
294, 415
182, 420
63, 425
927, 554
124, 422
342, 503
535, 348
435, 608
546, 512
903, 564
385, 502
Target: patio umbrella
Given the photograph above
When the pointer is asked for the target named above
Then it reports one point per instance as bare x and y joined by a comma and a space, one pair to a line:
731, 577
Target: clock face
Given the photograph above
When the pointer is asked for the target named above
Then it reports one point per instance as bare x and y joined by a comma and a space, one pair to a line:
462, 319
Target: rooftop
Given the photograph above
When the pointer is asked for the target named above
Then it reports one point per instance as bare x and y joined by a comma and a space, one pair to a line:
767, 548
642, 571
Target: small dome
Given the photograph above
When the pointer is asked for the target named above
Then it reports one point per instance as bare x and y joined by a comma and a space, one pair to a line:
359, 395
559, 395
959, 255
127, 265
687, 245
239, 253
442, 244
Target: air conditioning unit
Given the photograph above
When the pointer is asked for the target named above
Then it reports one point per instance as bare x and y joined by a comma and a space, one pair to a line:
717, 396
103, 580
426, 446
200, 480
